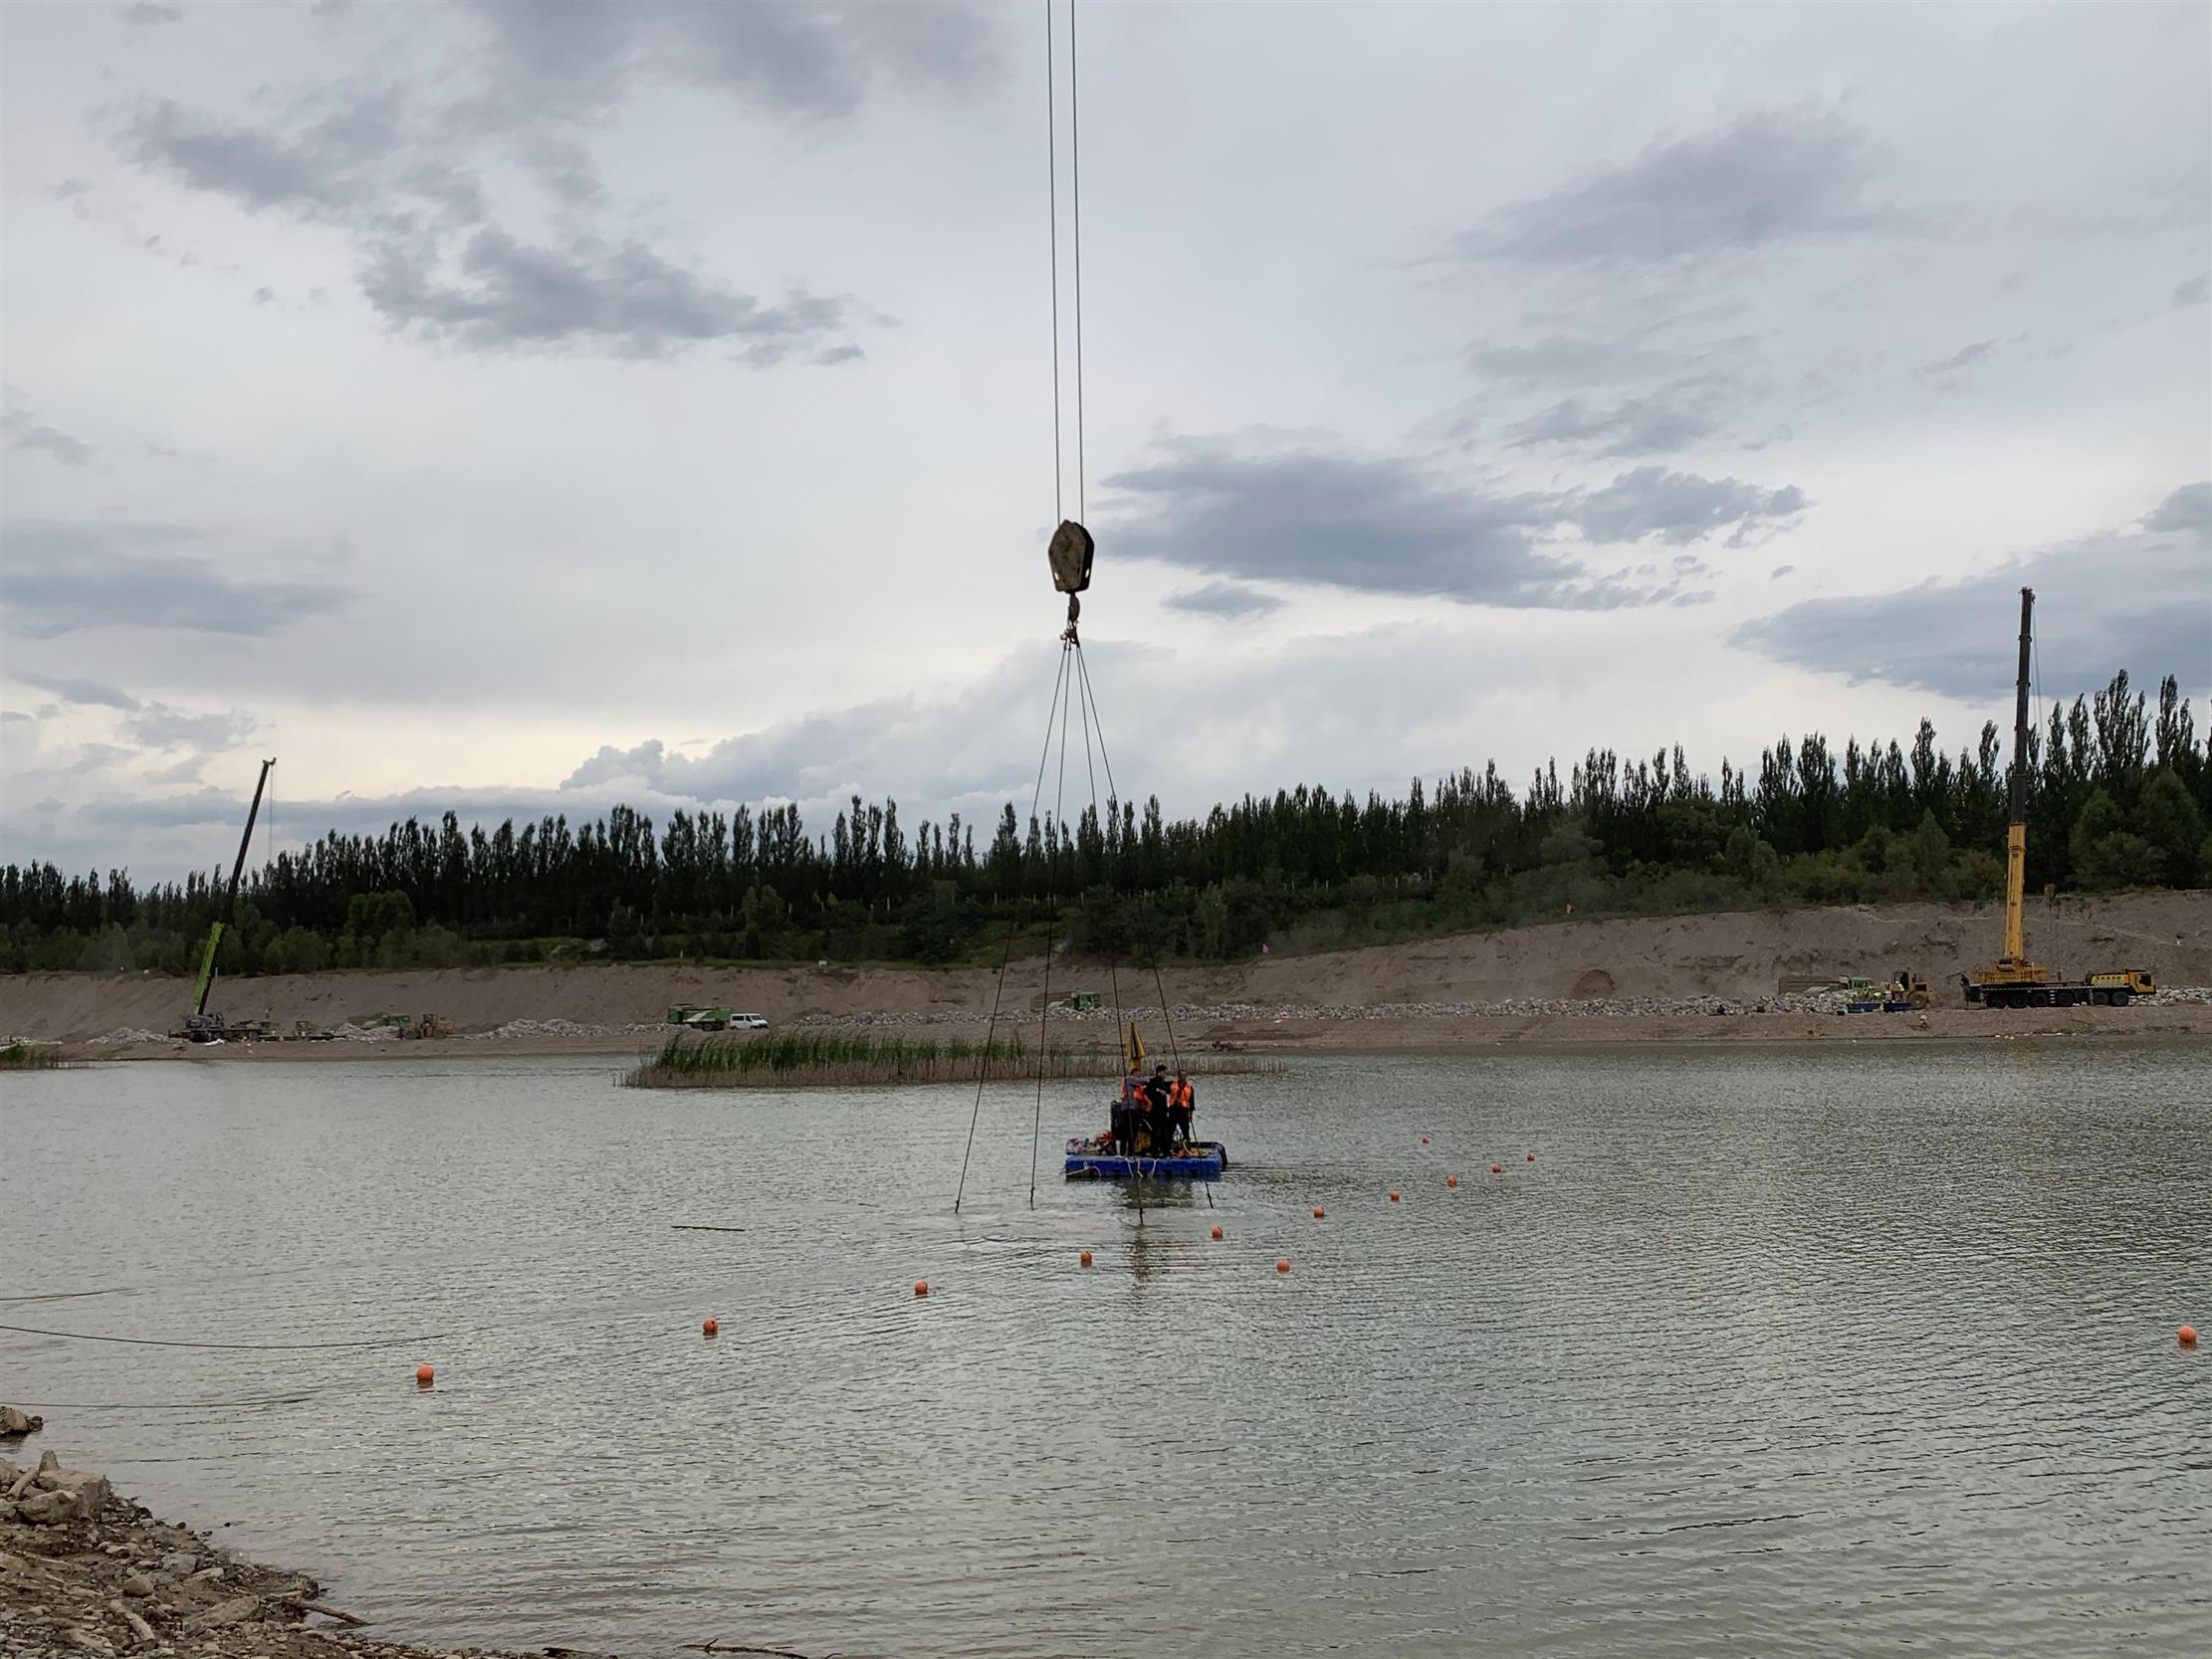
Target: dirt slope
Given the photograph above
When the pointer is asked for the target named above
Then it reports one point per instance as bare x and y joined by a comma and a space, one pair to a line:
1741, 955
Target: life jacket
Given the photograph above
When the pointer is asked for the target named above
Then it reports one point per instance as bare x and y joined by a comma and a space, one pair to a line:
1181, 1094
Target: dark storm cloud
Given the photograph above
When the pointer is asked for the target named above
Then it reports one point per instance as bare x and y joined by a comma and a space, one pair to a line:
1382, 524
57, 578
1770, 177
1233, 601
85, 693
498, 293
2136, 600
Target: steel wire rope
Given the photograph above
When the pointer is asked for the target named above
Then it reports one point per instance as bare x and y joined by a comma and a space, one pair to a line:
258, 1347
1075, 220
982, 1068
1053, 830
1052, 215
1113, 971
1167, 1019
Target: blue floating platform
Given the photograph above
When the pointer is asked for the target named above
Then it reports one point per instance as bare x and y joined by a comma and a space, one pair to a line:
1088, 1160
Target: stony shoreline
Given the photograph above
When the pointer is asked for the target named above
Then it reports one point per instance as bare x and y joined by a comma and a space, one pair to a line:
85, 1571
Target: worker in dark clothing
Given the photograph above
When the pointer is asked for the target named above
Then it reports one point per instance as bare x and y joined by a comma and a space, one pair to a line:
1181, 1099
1157, 1092
1129, 1112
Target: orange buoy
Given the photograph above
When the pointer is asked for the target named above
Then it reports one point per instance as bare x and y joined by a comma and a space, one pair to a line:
1217, 1232
425, 1375
921, 1286
1452, 1181
710, 1327
1498, 1168
1425, 1141
2189, 1335
1282, 1264
1087, 1258
1319, 1212
1532, 1157
1394, 1195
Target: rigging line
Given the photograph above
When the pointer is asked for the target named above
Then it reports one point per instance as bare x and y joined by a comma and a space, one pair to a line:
1113, 973
1076, 180
1052, 212
1167, 1019
983, 1065
259, 1348
1053, 831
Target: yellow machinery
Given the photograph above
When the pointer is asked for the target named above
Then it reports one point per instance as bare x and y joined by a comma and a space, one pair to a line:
2013, 981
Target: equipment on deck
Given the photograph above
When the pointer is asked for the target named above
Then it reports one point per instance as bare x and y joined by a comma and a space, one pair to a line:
200, 1026
2013, 981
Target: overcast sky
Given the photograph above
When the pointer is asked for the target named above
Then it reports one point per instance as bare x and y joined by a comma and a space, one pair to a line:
526, 407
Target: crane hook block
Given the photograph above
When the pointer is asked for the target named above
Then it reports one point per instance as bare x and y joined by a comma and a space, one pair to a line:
1070, 556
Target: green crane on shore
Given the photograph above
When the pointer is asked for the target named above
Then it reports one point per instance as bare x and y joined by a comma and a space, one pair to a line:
199, 1024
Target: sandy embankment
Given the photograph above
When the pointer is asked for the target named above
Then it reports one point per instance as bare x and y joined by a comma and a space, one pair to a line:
1609, 981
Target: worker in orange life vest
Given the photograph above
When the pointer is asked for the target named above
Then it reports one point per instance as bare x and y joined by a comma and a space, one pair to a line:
1181, 1099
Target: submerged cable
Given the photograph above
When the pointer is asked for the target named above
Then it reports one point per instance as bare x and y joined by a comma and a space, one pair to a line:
257, 1348
983, 1068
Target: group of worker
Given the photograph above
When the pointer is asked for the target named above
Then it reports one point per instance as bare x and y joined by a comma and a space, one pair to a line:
1153, 1117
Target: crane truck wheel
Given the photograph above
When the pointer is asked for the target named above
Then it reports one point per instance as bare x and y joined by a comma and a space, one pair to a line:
2100, 999
2121, 998
2038, 999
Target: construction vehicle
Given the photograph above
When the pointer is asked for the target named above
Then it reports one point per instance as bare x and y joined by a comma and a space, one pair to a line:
200, 1026
425, 1025
2013, 981
700, 1019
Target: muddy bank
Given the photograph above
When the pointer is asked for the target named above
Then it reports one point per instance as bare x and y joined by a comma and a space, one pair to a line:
1555, 983
84, 1571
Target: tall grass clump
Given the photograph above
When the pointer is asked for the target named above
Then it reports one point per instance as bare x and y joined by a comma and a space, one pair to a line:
20, 1056
783, 1058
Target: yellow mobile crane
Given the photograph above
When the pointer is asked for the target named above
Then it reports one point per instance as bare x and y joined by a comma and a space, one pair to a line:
2013, 981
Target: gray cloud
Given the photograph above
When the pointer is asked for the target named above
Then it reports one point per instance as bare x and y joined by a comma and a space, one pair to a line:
2134, 600
498, 294
159, 727
2188, 511
2196, 291
1660, 424
67, 449
1233, 601
812, 63
58, 578
1574, 360
1678, 507
1961, 359
1381, 525
85, 693
432, 261
146, 14
1768, 178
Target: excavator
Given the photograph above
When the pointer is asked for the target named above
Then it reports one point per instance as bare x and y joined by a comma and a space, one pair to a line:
200, 1026
2012, 980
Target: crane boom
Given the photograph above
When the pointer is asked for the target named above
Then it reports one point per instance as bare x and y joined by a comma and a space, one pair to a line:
206, 985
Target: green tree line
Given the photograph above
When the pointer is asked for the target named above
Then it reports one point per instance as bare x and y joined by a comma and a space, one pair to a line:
2120, 796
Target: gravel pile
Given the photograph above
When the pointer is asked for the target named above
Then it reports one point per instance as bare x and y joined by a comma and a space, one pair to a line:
84, 1571
127, 1034
345, 1031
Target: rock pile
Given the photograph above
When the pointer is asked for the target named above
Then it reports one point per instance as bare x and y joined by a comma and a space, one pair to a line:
86, 1572
130, 1034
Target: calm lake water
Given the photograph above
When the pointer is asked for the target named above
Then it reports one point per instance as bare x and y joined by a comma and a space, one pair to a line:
1835, 1349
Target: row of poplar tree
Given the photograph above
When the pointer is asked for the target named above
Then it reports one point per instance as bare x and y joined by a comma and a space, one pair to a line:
2121, 793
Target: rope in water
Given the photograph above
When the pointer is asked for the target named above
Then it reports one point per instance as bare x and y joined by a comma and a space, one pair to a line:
258, 1347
